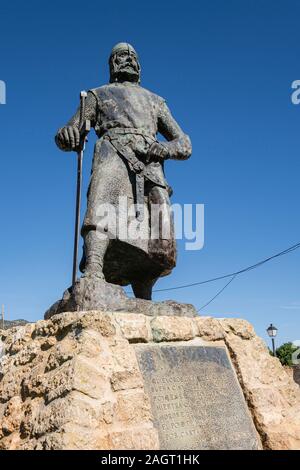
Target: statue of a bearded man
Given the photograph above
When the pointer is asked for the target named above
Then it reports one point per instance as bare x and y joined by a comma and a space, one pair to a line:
128, 162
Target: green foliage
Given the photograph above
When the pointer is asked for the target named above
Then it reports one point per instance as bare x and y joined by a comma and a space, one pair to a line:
284, 353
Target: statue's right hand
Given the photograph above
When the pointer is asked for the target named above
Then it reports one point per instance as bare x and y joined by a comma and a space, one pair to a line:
68, 138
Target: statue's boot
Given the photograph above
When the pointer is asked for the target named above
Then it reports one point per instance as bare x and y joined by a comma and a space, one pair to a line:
143, 289
94, 252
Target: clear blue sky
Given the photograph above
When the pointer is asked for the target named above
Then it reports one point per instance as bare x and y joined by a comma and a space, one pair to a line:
225, 69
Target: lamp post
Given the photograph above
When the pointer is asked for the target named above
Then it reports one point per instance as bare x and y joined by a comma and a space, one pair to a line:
272, 332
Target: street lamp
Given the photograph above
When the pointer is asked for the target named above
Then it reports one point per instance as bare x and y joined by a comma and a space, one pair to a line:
272, 332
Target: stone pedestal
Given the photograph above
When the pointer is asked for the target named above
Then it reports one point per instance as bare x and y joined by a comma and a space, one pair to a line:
102, 380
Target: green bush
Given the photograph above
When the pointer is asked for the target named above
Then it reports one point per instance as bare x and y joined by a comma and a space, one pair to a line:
284, 353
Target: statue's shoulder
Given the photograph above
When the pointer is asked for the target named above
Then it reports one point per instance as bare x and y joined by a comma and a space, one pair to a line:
103, 91
153, 96
98, 91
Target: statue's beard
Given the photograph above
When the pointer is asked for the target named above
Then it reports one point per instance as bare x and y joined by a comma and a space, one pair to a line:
126, 72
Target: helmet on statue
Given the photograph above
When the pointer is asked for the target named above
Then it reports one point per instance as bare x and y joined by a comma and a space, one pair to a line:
119, 65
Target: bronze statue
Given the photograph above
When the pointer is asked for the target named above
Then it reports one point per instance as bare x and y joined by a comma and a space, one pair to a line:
128, 161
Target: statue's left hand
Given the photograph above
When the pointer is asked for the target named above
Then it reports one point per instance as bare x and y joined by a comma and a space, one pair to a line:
157, 152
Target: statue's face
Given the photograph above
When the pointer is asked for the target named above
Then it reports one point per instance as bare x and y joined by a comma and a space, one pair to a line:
125, 66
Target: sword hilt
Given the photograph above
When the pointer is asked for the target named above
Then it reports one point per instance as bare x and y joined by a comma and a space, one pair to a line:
83, 96
84, 124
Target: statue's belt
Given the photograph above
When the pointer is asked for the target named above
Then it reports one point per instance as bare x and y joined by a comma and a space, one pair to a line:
114, 132
136, 166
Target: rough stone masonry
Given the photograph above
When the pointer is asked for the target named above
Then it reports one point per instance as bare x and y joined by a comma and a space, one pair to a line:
73, 382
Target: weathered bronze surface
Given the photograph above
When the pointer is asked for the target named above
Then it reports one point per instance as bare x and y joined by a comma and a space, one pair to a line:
196, 400
128, 161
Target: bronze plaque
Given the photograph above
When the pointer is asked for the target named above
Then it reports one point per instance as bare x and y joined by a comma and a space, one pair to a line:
196, 400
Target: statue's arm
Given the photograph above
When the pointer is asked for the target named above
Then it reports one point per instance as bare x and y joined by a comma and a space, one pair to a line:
68, 137
178, 145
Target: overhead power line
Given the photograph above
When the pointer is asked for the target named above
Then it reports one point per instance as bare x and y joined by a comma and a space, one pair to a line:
234, 274
218, 293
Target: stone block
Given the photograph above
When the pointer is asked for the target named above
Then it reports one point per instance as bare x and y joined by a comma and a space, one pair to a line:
173, 329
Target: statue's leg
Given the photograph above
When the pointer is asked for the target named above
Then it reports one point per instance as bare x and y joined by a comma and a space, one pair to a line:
94, 250
102, 190
143, 289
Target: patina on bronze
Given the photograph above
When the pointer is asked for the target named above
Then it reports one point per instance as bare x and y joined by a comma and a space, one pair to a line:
128, 161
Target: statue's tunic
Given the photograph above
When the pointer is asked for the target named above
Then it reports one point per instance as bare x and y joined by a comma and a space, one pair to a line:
127, 118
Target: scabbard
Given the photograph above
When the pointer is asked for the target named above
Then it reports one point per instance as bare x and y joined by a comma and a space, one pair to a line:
140, 183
